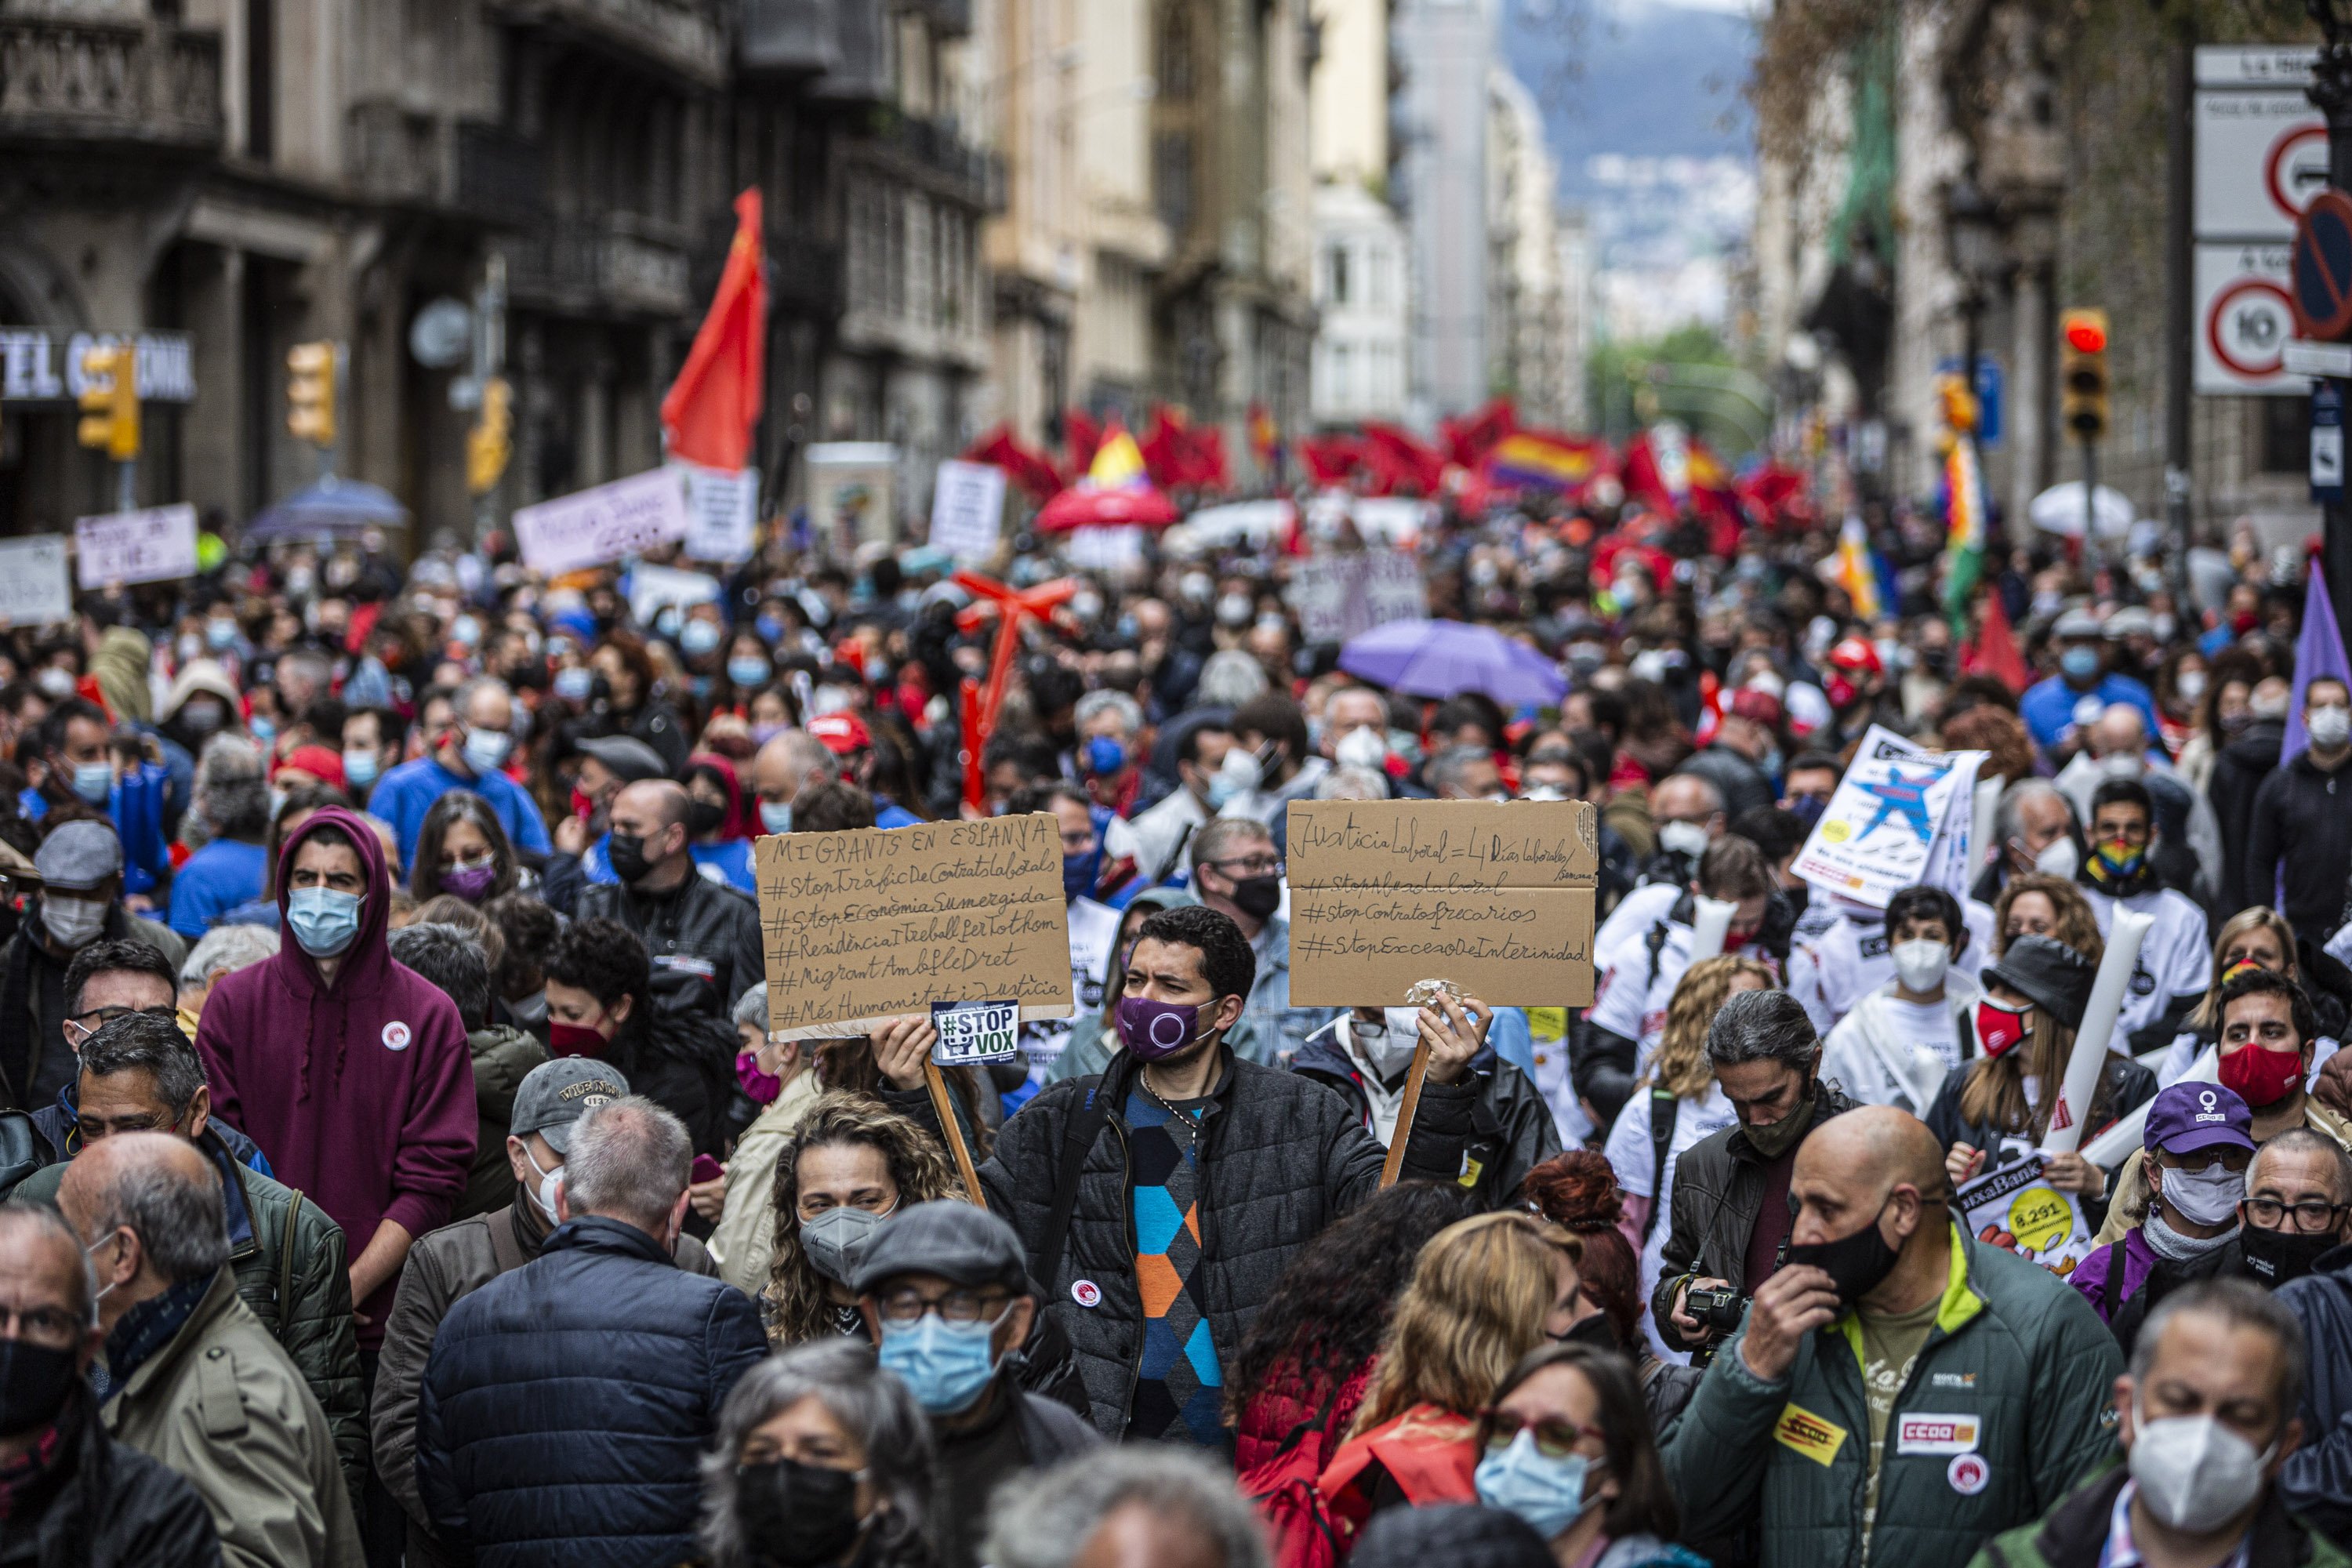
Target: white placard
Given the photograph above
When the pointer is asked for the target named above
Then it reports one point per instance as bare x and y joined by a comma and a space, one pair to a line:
722, 512
594, 526
1342, 596
652, 588
2016, 1209
33, 591
1113, 549
974, 1033
2245, 319
968, 510
1899, 819
158, 545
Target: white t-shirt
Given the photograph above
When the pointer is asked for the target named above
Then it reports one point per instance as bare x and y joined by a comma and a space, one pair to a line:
1928, 1024
1548, 1037
1628, 1150
1851, 960
2175, 957
1632, 998
1631, 920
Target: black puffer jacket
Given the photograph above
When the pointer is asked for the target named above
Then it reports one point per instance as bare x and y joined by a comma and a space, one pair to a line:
567, 1403
1281, 1157
1511, 1127
702, 933
104, 1504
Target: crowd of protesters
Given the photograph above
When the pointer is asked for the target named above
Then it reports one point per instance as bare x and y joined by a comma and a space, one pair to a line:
399, 1165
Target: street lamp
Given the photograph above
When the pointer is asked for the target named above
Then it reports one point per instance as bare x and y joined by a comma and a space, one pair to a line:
1972, 225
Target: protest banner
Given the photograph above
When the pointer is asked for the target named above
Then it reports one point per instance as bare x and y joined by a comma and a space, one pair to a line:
592, 527
968, 510
852, 493
1901, 816
157, 545
1341, 597
652, 589
33, 591
722, 512
1496, 897
863, 926
2016, 1208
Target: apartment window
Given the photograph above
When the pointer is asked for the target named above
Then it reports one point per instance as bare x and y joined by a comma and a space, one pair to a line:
261, 79
1336, 270
1172, 178
1380, 261
2286, 444
1343, 375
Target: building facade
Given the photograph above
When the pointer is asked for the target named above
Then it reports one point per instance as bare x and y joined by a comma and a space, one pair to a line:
1363, 296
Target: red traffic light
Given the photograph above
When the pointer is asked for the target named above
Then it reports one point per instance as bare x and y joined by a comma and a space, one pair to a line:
2086, 336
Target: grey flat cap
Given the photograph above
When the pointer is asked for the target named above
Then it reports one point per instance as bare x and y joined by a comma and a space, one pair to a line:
627, 756
78, 855
960, 1242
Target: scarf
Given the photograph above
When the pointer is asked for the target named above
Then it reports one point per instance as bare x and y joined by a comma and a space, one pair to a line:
2174, 1247
144, 1329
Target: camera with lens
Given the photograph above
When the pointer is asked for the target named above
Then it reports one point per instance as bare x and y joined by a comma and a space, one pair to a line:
1717, 1309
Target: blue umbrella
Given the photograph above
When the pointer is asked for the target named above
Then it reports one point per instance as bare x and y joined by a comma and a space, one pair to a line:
1445, 658
330, 506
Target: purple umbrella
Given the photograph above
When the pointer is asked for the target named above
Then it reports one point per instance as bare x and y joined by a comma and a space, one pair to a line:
1445, 658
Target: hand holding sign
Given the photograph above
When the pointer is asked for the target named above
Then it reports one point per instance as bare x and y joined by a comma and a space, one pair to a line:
901, 1049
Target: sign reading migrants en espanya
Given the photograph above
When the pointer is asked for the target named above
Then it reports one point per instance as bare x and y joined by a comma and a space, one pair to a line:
866, 925
592, 527
1341, 597
1901, 816
1495, 897
33, 591
157, 545
2016, 1208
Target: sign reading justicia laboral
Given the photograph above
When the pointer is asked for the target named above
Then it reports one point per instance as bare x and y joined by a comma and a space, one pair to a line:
38, 366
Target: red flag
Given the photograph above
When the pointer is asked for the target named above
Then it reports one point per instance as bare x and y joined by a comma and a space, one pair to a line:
1467, 441
1994, 652
715, 401
1329, 459
1027, 468
1398, 461
1081, 436
1206, 464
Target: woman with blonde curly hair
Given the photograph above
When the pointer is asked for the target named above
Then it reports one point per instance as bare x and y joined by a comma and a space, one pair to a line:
2033, 904
1680, 1101
1484, 1291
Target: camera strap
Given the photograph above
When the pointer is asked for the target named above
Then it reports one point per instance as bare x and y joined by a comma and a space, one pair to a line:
1665, 1109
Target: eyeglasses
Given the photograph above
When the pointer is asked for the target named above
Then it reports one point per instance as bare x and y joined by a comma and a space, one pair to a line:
2311, 1218
92, 1022
52, 1326
1249, 866
907, 1305
1554, 1436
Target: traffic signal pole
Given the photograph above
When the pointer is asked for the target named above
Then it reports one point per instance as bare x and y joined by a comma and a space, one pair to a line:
2331, 93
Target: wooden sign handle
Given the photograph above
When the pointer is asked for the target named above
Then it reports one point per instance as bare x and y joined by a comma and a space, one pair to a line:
1412, 1081
952, 1130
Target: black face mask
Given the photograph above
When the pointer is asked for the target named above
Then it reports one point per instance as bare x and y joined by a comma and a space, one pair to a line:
626, 851
2276, 1256
796, 1515
1855, 1264
704, 816
1258, 897
1595, 1330
34, 1383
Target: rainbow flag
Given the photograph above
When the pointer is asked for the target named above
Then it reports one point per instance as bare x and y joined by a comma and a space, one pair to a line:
1539, 461
1964, 523
1856, 573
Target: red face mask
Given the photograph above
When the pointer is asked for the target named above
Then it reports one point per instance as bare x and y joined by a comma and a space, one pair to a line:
574, 1039
2262, 1077
1998, 1028
1840, 690
581, 806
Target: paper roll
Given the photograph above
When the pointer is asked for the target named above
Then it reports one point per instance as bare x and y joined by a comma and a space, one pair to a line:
2126, 932
1710, 919
1980, 846
2114, 1146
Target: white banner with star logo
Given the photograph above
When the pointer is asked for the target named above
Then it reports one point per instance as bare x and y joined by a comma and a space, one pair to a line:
1901, 818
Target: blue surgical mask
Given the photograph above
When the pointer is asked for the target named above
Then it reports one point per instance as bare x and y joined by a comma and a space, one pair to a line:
575, 681
324, 921
486, 750
699, 637
1548, 1493
262, 730
946, 1366
94, 782
362, 767
776, 816
220, 634
2079, 663
748, 671
771, 629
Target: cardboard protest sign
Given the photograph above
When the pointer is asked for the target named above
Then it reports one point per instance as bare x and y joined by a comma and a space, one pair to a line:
157, 545
1900, 817
722, 509
2015, 1208
593, 526
1341, 597
866, 925
1495, 897
33, 591
968, 509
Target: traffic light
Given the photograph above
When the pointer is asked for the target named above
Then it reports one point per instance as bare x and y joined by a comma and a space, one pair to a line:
2083, 377
310, 393
490, 442
109, 400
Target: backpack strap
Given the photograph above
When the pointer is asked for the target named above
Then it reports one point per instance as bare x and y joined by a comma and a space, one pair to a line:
1664, 1110
1079, 1134
2111, 1289
286, 1267
1654, 942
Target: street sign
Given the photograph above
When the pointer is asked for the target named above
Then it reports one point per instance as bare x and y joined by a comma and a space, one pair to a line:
2306, 358
2327, 442
2245, 318
1991, 387
2323, 267
2261, 157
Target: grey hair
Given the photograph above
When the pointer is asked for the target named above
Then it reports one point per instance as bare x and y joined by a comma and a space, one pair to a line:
1762, 1026
1228, 679
871, 1405
2241, 1304
1045, 1519
1446, 768
1096, 703
2012, 800
137, 1042
1352, 783
231, 782
2303, 1140
466, 692
1220, 834
51, 1224
228, 758
451, 959
629, 1161
179, 1220
752, 1007
225, 950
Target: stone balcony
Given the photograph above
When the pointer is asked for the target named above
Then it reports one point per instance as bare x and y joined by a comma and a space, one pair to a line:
617, 266
131, 82
686, 38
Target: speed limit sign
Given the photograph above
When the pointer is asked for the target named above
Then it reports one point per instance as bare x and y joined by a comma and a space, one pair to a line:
2245, 318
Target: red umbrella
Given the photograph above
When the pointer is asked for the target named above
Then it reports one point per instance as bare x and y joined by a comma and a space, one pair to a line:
1075, 509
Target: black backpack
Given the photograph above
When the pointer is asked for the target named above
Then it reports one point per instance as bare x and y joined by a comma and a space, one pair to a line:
22, 1150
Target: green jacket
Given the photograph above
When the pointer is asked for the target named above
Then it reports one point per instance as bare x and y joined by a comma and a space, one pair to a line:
2016, 1354
222, 1405
502, 1057
312, 1273
2074, 1533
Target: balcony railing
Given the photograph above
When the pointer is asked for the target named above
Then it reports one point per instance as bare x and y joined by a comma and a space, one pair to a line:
407, 159
934, 152
688, 37
609, 268
67, 80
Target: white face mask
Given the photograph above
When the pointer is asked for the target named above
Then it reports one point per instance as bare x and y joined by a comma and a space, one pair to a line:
2210, 1196
544, 1194
2330, 726
1684, 838
2194, 1473
2058, 859
2190, 685
2123, 765
1361, 747
1387, 1047
1920, 964
75, 922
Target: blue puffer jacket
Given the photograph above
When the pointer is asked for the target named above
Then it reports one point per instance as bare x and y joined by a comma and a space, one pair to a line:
566, 1404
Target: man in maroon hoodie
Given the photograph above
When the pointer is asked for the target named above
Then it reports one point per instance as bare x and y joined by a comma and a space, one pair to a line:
348, 1070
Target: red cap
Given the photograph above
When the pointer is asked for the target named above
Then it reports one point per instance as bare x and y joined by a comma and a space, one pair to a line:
1760, 706
320, 763
1854, 654
841, 733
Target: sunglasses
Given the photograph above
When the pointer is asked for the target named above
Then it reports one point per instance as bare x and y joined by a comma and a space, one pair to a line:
1554, 1436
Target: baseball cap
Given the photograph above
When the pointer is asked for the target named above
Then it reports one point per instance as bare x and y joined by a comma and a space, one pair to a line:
1760, 706
2190, 1116
627, 757
554, 1094
2132, 620
2076, 623
320, 763
841, 733
78, 855
1853, 654
2045, 970
960, 1242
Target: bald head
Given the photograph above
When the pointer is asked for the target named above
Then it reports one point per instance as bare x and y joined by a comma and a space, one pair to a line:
657, 801
2120, 731
1872, 1148
1873, 1167
786, 764
157, 1200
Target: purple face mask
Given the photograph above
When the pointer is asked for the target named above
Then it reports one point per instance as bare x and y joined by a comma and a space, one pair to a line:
762, 1087
1153, 1031
470, 882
